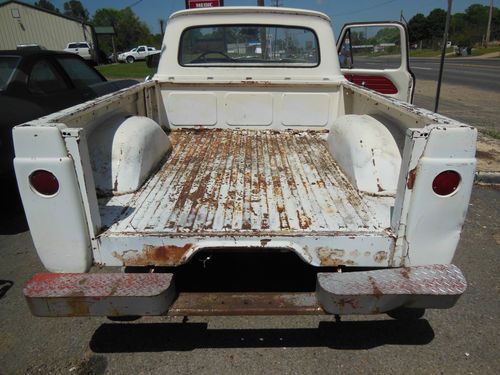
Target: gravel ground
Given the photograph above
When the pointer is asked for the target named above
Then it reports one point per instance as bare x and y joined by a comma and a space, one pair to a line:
472, 107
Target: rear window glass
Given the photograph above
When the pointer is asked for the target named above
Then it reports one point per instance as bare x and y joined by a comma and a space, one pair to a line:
79, 72
249, 45
8, 66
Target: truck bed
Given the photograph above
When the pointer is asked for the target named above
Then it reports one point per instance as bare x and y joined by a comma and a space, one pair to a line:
238, 180
220, 184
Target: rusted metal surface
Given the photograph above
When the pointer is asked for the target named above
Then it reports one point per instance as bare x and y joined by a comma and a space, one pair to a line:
411, 178
373, 292
155, 255
99, 294
245, 304
246, 181
242, 189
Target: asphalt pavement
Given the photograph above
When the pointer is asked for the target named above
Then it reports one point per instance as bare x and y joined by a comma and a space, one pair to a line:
462, 340
483, 74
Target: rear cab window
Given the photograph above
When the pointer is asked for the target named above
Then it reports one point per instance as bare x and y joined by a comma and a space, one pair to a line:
249, 45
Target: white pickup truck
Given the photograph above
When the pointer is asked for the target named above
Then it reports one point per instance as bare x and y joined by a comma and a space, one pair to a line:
136, 54
250, 140
82, 49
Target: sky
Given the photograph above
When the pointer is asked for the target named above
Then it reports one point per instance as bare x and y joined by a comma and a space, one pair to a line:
341, 12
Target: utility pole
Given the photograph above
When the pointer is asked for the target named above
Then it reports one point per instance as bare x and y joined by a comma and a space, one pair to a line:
263, 37
402, 17
488, 30
443, 52
162, 24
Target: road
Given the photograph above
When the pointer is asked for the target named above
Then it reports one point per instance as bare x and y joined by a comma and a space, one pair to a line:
482, 74
463, 340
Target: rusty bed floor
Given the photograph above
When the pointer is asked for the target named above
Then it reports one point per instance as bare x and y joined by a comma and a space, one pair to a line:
241, 181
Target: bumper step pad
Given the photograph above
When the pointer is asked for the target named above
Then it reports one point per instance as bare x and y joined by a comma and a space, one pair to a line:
372, 292
99, 294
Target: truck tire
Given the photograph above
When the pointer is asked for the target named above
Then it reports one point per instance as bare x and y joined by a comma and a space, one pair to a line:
404, 313
130, 59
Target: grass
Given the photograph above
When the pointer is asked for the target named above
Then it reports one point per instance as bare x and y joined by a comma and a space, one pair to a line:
483, 51
491, 132
135, 70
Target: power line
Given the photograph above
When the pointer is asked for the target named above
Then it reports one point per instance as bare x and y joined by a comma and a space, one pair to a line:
364, 9
134, 4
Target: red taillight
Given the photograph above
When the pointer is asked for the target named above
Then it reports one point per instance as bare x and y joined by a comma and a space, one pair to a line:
446, 183
44, 182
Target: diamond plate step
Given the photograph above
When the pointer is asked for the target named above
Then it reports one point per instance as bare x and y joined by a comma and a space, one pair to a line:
371, 292
99, 294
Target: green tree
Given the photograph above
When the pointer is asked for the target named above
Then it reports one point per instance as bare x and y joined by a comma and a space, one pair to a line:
466, 29
46, 4
387, 35
435, 23
130, 31
417, 28
75, 9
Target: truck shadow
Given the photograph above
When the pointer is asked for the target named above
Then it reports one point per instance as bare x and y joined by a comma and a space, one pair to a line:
159, 337
13, 219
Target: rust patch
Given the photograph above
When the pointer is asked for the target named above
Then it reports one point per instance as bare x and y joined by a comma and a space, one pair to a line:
411, 178
380, 256
246, 225
304, 220
155, 256
348, 302
405, 272
376, 290
249, 81
264, 242
76, 307
333, 257
354, 253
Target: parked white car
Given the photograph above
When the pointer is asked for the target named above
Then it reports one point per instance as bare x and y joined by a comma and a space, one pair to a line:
83, 49
137, 53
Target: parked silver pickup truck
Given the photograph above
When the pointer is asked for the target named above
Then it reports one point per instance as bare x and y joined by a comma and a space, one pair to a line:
250, 139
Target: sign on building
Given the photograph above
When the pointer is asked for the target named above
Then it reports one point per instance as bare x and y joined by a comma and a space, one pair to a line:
190, 4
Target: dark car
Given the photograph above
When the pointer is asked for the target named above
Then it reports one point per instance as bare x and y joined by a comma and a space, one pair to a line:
34, 83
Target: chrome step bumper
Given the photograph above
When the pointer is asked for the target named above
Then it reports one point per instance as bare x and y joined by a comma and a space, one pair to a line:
436, 286
99, 294
125, 294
